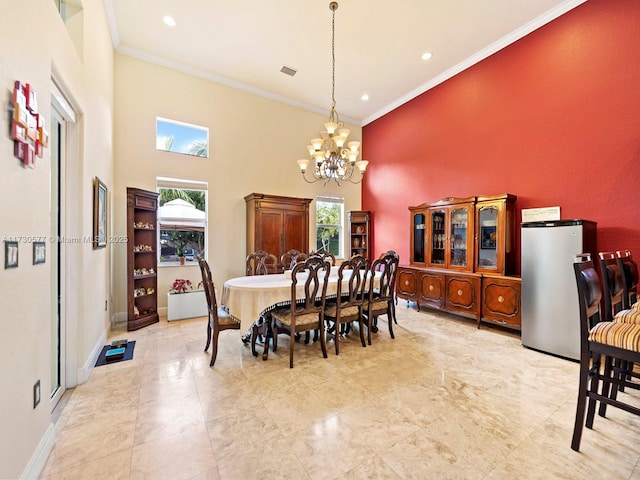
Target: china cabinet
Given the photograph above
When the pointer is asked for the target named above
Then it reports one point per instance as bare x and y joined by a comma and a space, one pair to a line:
277, 224
359, 231
462, 257
142, 255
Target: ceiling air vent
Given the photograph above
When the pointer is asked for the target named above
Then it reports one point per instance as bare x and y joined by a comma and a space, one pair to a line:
288, 70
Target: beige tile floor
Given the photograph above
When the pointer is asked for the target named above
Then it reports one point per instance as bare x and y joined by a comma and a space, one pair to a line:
443, 400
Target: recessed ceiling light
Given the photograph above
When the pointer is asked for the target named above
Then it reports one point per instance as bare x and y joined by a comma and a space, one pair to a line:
169, 20
426, 55
364, 97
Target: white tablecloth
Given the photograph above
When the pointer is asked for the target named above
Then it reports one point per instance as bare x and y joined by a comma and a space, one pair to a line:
247, 298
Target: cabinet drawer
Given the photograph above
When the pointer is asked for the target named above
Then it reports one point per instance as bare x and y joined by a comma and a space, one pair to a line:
431, 289
462, 294
501, 299
406, 284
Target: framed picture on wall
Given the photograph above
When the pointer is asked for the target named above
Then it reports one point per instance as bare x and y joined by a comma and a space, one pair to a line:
39, 252
488, 238
99, 214
10, 254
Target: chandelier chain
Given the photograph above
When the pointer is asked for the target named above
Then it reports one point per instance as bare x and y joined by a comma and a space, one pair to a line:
333, 61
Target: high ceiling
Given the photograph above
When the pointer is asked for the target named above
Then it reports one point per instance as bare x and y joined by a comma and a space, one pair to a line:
378, 48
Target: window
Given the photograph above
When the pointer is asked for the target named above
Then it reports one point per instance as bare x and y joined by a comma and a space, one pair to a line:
179, 137
329, 224
182, 220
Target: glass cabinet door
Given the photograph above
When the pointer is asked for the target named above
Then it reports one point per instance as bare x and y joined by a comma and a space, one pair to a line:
438, 240
458, 237
418, 237
488, 247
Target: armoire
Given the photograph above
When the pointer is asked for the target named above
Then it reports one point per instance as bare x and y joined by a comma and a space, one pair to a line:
277, 224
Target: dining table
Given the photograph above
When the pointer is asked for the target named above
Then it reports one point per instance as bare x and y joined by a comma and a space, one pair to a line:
250, 298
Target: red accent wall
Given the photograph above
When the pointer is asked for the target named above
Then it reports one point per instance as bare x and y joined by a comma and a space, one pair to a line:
553, 118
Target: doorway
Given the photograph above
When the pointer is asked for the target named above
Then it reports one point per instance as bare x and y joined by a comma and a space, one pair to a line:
62, 115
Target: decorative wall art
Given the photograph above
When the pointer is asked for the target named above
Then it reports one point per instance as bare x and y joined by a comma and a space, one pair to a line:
39, 252
10, 254
30, 138
99, 214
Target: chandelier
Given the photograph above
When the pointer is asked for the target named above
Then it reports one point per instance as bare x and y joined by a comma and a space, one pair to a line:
333, 157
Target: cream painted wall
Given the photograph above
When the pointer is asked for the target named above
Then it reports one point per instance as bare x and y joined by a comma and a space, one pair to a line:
34, 47
254, 145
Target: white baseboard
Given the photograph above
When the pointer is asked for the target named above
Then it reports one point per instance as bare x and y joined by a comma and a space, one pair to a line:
85, 372
39, 457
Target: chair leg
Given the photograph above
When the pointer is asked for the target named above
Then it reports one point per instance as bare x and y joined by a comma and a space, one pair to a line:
593, 388
336, 334
323, 340
292, 342
390, 315
269, 333
361, 329
582, 403
206, 347
609, 372
214, 349
254, 337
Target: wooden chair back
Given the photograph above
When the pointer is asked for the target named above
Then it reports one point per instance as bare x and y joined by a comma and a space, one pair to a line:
629, 269
612, 284
325, 255
290, 258
261, 263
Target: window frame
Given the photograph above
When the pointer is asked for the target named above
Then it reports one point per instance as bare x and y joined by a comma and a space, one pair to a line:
335, 199
164, 183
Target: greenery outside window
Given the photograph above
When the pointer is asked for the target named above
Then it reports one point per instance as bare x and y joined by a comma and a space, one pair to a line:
330, 224
180, 137
182, 221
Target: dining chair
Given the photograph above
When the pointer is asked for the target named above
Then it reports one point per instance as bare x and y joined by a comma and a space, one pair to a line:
347, 306
290, 258
602, 343
325, 255
306, 311
380, 297
260, 263
219, 318
629, 269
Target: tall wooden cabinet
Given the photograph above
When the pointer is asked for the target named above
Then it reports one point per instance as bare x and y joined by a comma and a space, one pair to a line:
142, 255
277, 224
463, 258
359, 233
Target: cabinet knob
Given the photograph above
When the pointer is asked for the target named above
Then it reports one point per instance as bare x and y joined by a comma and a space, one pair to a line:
501, 299
431, 288
459, 293
406, 282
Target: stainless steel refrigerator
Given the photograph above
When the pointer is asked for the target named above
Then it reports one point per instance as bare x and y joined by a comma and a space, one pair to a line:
550, 314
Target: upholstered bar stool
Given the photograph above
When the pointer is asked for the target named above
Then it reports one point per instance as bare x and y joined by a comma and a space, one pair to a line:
601, 344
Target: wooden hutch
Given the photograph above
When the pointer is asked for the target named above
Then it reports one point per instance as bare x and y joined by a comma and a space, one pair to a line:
462, 259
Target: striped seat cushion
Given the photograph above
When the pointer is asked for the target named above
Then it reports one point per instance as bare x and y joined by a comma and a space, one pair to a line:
617, 334
283, 315
628, 316
330, 311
